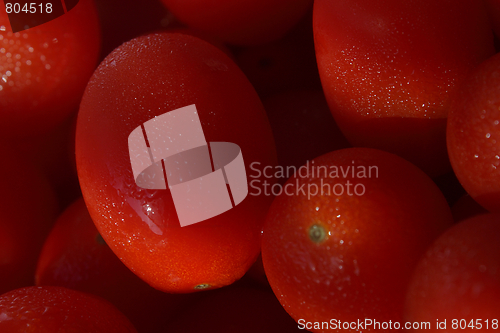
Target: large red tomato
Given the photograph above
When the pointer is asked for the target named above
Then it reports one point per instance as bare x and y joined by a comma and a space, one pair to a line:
343, 238
390, 69
144, 78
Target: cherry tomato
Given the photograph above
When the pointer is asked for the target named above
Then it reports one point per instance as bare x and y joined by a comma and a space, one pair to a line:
246, 22
390, 69
75, 256
58, 309
144, 78
343, 238
458, 280
44, 70
28, 209
473, 135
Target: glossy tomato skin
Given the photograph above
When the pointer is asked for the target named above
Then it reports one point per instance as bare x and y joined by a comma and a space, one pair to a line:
144, 78
390, 69
246, 22
58, 309
351, 256
44, 70
459, 278
28, 209
473, 135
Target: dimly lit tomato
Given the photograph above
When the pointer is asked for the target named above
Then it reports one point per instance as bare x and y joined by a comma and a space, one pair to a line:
28, 209
343, 238
391, 68
144, 78
245, 22
473, 135
44, 70
75, 256
458, 280
57, 309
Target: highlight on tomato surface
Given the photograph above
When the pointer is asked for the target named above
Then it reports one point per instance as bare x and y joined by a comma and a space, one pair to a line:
144, 78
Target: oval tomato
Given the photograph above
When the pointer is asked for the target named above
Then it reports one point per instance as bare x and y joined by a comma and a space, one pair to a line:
390, 69
147, 77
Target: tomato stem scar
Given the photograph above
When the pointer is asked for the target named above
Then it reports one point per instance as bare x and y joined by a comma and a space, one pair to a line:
202, 286
317, 233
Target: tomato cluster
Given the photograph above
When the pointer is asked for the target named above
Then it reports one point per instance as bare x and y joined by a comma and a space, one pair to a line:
367, 135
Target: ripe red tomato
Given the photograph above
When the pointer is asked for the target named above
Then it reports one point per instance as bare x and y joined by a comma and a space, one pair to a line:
390, 69
28, 209
473, 134
246, 22
347, 252
144, 78
75, 256
458, 280
57, 309
44, 70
